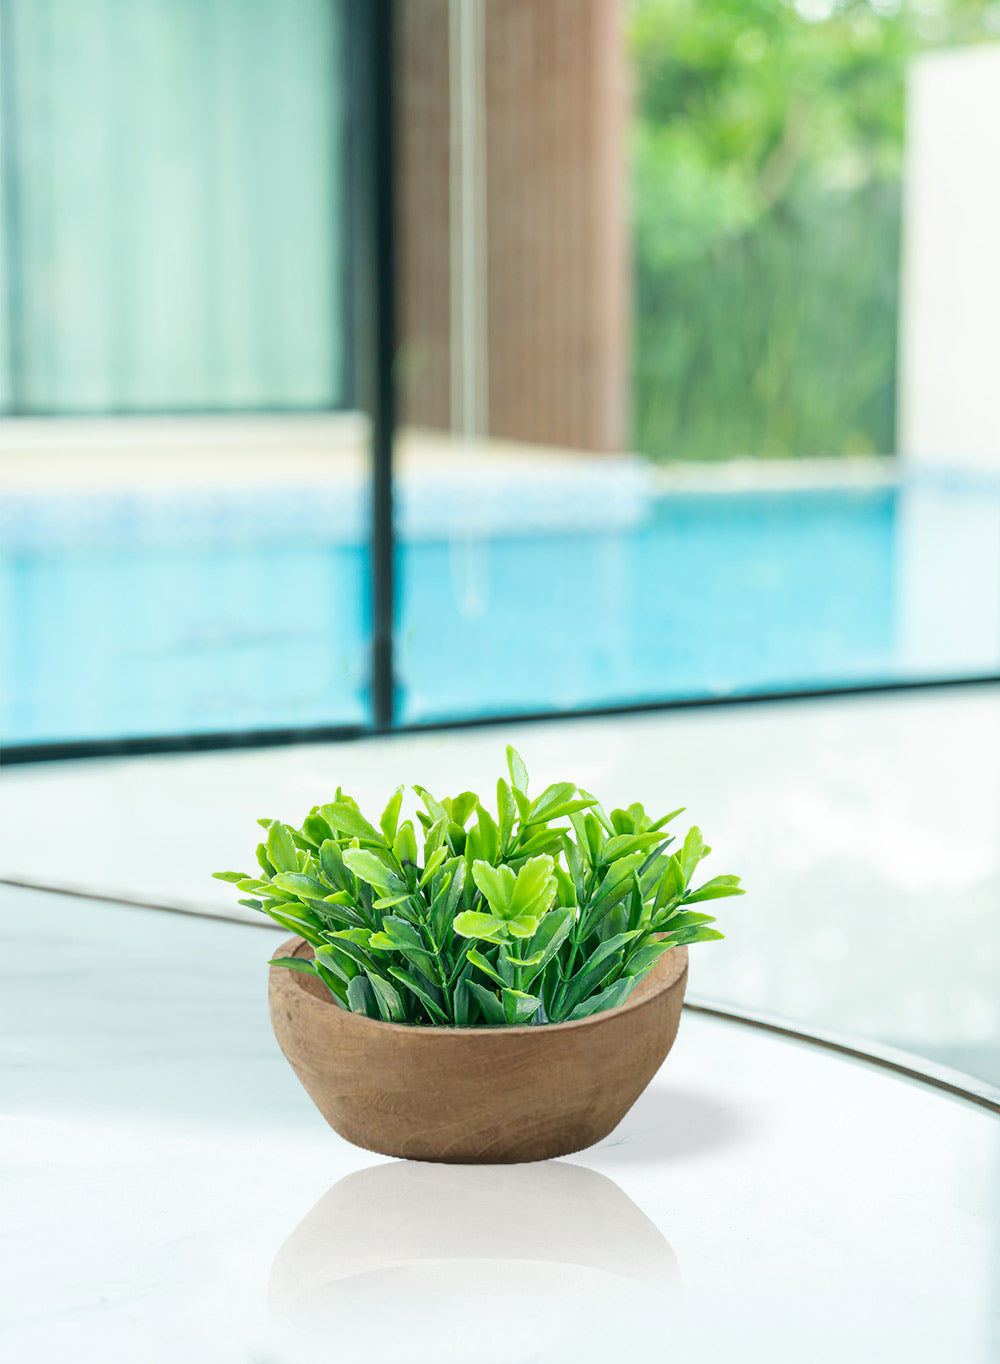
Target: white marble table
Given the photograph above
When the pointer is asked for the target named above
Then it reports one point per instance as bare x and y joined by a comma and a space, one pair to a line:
169, 1193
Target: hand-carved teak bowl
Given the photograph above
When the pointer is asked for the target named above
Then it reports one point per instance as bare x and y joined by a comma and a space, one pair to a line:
475, 1095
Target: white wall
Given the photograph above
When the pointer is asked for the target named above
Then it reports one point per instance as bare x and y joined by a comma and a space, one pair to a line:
950, 322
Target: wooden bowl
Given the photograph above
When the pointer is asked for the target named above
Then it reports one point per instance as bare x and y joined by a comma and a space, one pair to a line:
474, 1095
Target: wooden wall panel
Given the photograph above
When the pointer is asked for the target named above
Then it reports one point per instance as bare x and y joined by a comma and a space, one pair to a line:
557, 259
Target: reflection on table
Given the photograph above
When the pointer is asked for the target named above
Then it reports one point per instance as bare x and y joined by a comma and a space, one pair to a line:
509, 1256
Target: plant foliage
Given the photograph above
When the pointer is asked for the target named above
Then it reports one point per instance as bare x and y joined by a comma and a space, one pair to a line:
544, 911
768, 147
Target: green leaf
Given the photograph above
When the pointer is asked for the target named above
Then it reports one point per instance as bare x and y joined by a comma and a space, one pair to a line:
561, 794
360, 936
667, 818
233, 876
518, 771
264, 861
404, 848
640, 963
507, 813
281, 850
489, 835
251, 904
390, 1002
518, 1007
370, 867
624, 844
361, 997
693, 851
582, 843
423, 992
622, 822
447, 898
473, 850
575, 860
471, 924
347, 819
298, 884
524, 926
462, 807
715, 889
432, 866
485, 966
460, 962
569, 807
460, 1002
251, 883
638, 913
331, 863
534, 889
398, 935
493, 1010
344, 944
598, 811
391, 901
671, 885
565, 887
390, 816
684, 936
442, 910
544, 841
434, 807
609, 998
285, 918
652, 869
595, 970
496, 884
307, 968
523, 961
434, 838
336, 963
315, 827
336, 985
617, 882
610, 947
594, 835
683, 919
547, 939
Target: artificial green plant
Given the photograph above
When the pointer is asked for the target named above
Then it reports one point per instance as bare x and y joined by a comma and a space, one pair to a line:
546, 911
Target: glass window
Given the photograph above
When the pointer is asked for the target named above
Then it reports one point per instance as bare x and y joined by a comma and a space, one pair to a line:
696, 346
697, 357
176, 240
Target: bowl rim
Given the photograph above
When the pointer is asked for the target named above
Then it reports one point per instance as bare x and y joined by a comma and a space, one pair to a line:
676, 959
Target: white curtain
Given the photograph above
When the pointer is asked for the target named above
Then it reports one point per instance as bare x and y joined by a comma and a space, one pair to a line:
178, 170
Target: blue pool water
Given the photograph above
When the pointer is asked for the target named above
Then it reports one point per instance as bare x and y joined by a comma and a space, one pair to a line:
253, 612
710, 596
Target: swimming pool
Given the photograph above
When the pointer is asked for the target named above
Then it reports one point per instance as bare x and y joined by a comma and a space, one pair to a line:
249, 608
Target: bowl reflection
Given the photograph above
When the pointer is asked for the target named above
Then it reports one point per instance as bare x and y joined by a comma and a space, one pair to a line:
409, 1261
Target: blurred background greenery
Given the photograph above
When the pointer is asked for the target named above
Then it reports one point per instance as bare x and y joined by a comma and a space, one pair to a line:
767, 173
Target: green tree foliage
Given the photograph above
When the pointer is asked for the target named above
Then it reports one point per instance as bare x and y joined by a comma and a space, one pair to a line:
768, 153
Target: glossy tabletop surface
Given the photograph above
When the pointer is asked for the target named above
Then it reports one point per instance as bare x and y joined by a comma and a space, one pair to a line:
170, 1194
